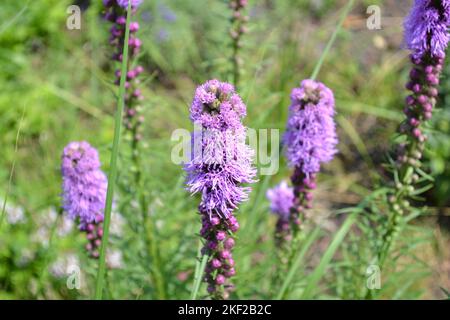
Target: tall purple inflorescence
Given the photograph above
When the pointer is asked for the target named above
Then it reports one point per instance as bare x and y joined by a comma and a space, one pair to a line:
115, 12
281, 201
84, 190
426, 35
309, 141
219, 164
238, 28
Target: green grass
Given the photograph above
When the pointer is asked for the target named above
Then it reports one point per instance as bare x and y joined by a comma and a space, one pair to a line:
65, 80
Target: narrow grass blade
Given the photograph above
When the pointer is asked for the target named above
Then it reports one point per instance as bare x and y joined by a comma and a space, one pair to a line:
198, 277
328, 255
294, 267
113, 163
13, 168
332, 39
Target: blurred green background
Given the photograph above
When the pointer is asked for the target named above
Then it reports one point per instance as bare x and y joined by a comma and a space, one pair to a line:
60, 83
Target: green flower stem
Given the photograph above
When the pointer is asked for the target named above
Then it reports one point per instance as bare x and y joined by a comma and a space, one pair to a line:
200, 269
113, 163
13, 167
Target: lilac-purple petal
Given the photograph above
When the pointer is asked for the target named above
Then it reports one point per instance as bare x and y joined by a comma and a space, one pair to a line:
84, 184
281, 200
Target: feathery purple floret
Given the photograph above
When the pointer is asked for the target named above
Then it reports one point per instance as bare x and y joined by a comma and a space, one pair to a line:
310, 137
281, 200
223, 162
426, 28
84, 184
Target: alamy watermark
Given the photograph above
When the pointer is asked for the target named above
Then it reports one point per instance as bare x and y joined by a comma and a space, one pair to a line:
74, 277
73, 21
373, 22
373, 274
216, 147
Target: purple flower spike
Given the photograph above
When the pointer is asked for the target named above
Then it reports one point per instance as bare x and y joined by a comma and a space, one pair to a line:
115, 11
220, 163
310, 137
309, 141
426, 33
426, 28
84, 190
84, 184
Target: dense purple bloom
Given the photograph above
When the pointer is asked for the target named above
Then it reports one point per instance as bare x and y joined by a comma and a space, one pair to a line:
223, 160
281, 200
84, 191
310, 137
426, 28
84, 184
426, 32
219, 164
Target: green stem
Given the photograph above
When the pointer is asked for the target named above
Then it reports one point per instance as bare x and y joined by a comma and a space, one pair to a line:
113, 162
13, 167
198, 277
294, 267
332, 39
152, 250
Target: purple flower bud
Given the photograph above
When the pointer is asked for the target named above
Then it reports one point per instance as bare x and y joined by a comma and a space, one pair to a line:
225, 254
216, 264
229, 243
230, 272
215, 221
134, 26
121, 20
220, 279
221, 235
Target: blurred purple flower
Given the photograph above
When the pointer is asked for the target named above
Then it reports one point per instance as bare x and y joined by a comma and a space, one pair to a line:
84, 184
281, 200
426, 28
163, 35
310, 137
167, 14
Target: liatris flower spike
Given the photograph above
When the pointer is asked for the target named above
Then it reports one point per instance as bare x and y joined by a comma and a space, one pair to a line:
426, 35
309, 141
84, 191
238, 27
115, 12
281, 201
220, 163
